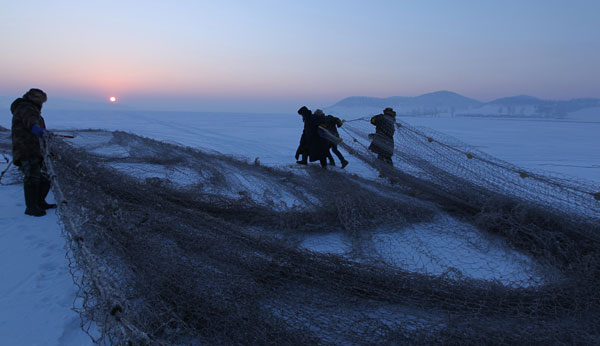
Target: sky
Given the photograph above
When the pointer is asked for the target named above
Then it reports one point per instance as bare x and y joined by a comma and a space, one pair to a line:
272, 56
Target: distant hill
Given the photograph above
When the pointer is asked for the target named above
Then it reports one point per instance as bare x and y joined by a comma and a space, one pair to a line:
528, 105
436, 102
447, 103
445, 99
517, 100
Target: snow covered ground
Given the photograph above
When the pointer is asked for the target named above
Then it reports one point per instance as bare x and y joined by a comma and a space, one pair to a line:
36, 288
37, 291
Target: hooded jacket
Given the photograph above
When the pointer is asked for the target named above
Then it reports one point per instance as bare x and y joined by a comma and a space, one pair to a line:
385, 126
332, 123
318, 147
303, 147
27, 112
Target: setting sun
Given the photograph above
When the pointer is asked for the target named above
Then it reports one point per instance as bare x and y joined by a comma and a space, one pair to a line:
112, 99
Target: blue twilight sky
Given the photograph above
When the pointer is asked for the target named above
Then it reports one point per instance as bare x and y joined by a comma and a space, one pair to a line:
259, 55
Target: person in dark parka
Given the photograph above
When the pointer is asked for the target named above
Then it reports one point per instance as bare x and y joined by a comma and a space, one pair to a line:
383, 139
318, 147
304, 145
331, 125
28, 127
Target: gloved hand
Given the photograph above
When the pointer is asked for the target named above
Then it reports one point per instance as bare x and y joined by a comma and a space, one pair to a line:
38, 131
297, 156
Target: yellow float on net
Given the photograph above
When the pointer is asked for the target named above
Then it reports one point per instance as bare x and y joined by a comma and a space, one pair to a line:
597, 196
355, 140
291, 166
523, 175
469, 156
429, 139
340, 140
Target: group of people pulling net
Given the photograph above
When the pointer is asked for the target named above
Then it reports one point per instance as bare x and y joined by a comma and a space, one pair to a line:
175, 245
320, 135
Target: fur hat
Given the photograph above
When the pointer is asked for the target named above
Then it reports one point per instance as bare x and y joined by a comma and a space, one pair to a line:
36, 95
304, 111
319, 112
389, 111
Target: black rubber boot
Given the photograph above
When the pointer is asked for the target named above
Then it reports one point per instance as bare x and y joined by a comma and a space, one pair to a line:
304, 160
44, 189
32, 200
344, 163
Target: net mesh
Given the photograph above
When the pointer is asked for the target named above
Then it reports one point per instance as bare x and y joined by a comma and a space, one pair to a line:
174, 245
8, 175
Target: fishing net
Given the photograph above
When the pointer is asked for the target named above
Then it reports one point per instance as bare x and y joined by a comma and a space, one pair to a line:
8, 175
175, 245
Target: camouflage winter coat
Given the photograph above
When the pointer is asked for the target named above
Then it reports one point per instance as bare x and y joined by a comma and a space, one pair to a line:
383, 139
26, 145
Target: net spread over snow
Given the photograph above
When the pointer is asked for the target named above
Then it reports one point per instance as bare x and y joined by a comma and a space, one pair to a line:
36, 284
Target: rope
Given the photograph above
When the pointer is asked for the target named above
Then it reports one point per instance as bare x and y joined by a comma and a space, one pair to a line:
358, 119
6, 170
521, 173
469, 155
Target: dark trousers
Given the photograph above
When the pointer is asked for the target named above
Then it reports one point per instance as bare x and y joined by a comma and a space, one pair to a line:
32, 171
36, 179
337, 153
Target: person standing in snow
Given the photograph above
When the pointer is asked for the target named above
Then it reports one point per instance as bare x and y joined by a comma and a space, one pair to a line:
28, 127
383, 139
331, 125
304, 144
